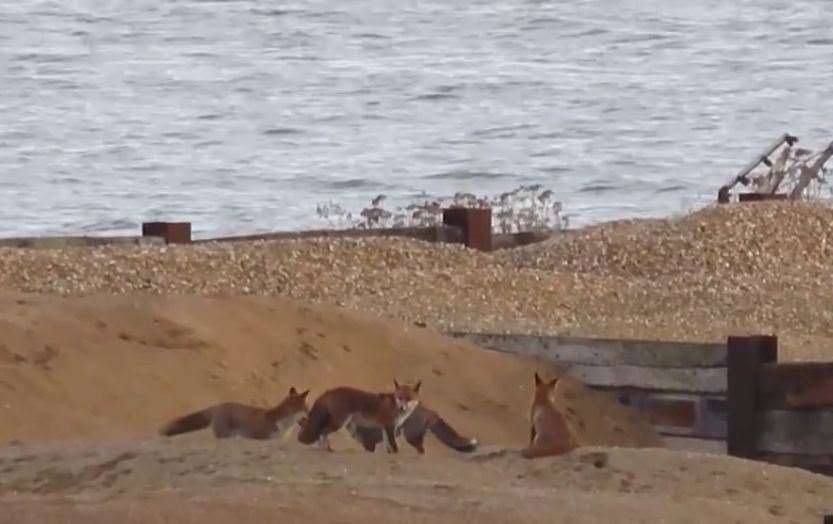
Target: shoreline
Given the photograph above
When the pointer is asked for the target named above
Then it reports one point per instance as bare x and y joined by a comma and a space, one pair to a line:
723, 270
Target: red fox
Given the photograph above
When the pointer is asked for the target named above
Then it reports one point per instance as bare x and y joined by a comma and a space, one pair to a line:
342, 405
231, 419
550, 434
414, 428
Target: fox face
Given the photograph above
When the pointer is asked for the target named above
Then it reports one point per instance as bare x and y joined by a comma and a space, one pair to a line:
406, 397
543, 390
297, 402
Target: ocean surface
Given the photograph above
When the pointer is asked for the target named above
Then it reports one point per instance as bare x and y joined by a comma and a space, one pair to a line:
242, 116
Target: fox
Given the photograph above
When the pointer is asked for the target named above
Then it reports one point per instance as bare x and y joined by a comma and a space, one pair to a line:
345, 405
231, 419
549, 434
414, 429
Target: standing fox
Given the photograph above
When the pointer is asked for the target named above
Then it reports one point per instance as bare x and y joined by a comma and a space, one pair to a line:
346, 405
550, 434
231, 419
414, 429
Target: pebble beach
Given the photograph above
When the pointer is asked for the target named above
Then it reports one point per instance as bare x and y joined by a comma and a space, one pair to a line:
721, 270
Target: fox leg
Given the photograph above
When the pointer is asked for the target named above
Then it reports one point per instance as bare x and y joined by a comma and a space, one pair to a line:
532, 435
416, 440
390, 439
324, 442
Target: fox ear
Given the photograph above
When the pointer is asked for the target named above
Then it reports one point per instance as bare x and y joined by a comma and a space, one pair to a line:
418, 384
395, 384
537, 379
292, 391
304, 394
553, 382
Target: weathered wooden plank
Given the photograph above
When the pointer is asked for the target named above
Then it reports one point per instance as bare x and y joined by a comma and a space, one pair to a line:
698, 380
77, 241
680, 414
746, 354
795, 385
798, 461
676, 413
715, 447
443, 233
605, 352
796, 432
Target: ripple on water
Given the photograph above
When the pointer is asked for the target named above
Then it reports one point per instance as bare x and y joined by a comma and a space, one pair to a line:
469, 175
281, 131
324, 98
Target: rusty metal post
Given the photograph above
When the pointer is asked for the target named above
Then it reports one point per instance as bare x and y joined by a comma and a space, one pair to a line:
475, 223
745, 355
172, 232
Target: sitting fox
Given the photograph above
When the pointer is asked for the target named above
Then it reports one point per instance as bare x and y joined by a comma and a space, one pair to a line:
337, 407
414, 429
231, 419
550, 434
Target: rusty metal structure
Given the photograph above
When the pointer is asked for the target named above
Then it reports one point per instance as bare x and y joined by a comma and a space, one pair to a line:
791, 172
724, 195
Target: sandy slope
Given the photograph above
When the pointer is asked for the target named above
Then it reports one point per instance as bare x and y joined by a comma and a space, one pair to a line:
86, 382
245, 481
110, 367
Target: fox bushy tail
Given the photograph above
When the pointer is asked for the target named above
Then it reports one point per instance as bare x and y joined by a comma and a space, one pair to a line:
448, 436
190, 422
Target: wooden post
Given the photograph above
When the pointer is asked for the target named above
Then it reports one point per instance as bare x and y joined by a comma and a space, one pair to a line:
172, 232
744, 357
760, 197
475, 223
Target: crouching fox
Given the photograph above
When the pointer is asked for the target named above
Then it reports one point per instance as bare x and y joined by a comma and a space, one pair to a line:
414, 428
384, 412
231, 419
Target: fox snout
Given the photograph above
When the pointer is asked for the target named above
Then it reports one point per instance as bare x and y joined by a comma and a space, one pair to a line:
406, 406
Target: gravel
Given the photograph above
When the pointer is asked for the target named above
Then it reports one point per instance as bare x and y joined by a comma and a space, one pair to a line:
732, 269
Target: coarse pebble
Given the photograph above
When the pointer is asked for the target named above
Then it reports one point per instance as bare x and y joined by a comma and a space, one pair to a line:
731, 269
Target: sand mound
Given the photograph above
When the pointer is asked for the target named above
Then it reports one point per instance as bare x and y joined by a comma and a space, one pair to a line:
596, 421
105, 367
188, 481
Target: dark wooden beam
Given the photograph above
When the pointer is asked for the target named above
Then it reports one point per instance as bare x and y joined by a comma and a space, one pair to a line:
745, 356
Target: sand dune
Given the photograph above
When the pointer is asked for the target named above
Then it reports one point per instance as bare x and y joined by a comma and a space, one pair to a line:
118, 366
86, 382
